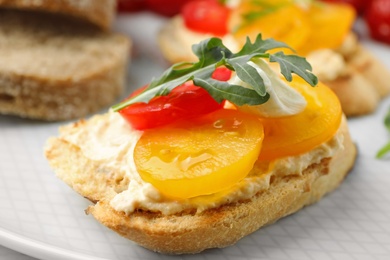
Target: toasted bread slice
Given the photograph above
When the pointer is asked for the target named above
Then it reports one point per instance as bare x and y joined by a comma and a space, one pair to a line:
100, 13
58, 69
189, 231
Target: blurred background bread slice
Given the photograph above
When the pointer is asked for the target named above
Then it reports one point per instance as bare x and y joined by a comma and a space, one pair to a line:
98, 12
56, 68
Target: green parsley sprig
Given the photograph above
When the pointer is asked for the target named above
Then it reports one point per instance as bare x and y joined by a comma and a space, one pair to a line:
386, 148
212, 54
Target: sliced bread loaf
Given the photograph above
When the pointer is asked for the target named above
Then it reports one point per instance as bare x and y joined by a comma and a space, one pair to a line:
55, 68
99, 12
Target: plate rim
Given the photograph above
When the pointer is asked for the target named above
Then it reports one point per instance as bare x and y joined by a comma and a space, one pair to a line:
38, 249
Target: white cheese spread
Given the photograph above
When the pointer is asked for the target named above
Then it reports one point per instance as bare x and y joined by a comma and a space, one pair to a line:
283, 101
111, 142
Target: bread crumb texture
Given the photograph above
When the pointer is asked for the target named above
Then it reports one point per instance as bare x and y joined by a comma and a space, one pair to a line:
56, 68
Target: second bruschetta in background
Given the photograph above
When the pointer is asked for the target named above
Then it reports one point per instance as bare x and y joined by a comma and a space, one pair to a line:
321, 31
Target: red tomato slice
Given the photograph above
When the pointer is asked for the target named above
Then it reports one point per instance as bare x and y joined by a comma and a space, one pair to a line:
378, 20
206, 16
183, 102
222, 74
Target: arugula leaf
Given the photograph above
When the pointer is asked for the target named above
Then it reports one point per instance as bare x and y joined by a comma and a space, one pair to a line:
249, 75
294, 64
222, 90
386, 148
260, 47
211, 54
210, 51
235, 93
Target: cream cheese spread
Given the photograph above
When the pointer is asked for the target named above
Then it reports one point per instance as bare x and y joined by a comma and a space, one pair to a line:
283, 101
111, 142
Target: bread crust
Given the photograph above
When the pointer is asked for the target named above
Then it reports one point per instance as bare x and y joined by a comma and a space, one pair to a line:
190, 232
57, 69
356, 94
100, 13
374, 71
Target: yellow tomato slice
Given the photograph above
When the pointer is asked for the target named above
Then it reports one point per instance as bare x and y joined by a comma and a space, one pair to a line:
287, 23
330, 23
201, 156
301, 133
322, 25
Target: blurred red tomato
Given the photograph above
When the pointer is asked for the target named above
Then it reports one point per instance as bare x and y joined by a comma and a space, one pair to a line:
130, 5
359, 5
165, 7
378, 20
206, 16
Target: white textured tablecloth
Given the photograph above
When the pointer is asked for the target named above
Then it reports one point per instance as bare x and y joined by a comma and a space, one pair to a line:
41, 216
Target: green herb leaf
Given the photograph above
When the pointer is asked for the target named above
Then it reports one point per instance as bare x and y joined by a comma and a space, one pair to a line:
383, 151
294, 64
249, 75
386, 148
234, 93
387, 120
260, 47
211, 54
261, 8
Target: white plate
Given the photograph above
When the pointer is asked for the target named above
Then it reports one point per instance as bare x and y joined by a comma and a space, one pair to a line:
40, 216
